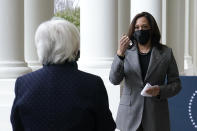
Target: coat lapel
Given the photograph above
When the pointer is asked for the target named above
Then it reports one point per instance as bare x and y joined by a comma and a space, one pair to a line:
155, 59
135, 61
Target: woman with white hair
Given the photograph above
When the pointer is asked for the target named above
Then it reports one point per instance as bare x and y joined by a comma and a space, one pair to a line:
59, 97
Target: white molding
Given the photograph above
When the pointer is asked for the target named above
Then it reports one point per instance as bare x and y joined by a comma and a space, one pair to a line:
13, 72
13, 69
188, 66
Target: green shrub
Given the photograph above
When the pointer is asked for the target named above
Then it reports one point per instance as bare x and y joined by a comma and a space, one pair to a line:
72, 16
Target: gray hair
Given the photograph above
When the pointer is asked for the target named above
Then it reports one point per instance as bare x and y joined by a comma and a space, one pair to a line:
57, 41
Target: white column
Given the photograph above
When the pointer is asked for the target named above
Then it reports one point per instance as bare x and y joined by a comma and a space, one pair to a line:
163, 32
123, 21
99, 25
12, 62
195, 46
194, 28
175, 37
99, 41
152, 6
123, 17
36, 12
188, 67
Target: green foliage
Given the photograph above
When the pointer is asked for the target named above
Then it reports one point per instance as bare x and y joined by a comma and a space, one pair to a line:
72, 16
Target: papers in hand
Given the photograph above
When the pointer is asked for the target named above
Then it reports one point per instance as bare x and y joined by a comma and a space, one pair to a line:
143, 92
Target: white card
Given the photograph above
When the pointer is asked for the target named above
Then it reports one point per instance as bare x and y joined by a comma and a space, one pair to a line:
143, 92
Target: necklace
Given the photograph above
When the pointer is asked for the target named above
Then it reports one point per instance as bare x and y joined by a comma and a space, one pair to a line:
144, 53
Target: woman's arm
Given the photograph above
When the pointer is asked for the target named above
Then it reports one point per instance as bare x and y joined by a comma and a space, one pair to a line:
117, 71
173, 82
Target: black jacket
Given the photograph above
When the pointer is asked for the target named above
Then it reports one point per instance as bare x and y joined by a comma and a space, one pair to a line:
61, 98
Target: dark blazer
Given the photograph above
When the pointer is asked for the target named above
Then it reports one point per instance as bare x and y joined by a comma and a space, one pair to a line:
134, 109
61, 98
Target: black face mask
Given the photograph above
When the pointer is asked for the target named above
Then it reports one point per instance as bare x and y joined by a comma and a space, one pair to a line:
142, 36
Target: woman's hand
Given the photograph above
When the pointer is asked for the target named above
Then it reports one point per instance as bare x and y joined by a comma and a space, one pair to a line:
153, 90
124, 43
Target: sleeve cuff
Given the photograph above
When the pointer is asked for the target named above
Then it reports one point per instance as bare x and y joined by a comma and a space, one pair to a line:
121, 57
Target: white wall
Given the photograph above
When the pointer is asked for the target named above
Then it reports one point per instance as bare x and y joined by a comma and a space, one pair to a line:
6, 100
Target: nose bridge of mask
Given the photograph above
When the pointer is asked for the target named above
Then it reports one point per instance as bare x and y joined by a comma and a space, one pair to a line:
143, 32
140, 33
